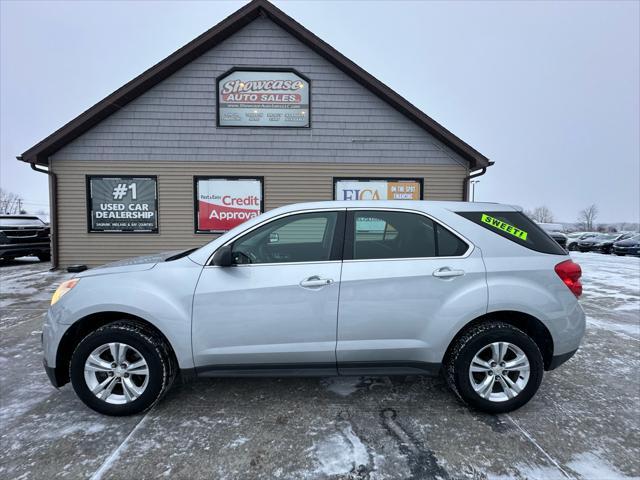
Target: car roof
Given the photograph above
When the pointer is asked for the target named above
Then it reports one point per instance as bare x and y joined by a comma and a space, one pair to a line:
401, 204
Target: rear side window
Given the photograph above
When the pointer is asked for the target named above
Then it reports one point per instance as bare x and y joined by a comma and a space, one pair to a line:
518, 228
392, 234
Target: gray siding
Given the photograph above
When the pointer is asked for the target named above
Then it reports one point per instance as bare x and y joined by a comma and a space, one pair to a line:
175, 120
283, 184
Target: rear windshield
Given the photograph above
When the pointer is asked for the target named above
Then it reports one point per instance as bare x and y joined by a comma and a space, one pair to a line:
518, 228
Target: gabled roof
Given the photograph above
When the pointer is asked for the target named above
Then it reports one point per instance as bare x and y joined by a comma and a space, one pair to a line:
40, 152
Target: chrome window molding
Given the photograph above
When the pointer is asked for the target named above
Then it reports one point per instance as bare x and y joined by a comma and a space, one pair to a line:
470, 245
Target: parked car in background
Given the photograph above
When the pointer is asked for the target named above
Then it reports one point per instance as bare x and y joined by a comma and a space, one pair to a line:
555, 231
574, 238
602, 243
606, 245
22, 235
628, 246
475, 291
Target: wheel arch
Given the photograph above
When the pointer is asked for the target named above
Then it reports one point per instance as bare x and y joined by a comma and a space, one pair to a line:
84, 326
524, 321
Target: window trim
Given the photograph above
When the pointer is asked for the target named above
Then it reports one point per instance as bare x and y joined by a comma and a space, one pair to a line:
337, 244
349, 235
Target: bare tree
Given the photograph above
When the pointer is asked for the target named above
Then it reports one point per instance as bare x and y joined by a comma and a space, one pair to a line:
587, 217
541, 215
10, 203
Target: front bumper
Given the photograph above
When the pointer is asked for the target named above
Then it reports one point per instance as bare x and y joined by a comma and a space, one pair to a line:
22, 249
627, 250
51, 373
558, 360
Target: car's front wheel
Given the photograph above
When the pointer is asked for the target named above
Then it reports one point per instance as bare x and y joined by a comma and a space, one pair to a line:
121, 368
494, 367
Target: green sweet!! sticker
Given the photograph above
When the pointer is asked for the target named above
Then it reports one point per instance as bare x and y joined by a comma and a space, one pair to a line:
505, 227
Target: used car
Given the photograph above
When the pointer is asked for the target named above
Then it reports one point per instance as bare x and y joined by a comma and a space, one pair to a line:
476, 291
574, 238
555, 231
602, 242
24, 235
628, 246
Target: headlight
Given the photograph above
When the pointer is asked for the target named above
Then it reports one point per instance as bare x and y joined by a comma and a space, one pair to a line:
64, 288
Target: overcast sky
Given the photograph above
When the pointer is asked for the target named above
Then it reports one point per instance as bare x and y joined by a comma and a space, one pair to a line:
549, 91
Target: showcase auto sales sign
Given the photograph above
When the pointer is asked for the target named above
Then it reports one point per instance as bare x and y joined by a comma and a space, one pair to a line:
226, 203
263, 98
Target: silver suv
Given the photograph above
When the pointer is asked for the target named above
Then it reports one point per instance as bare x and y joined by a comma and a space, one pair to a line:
476, 291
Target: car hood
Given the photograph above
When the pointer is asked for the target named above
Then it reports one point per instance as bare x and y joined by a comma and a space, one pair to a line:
134, 264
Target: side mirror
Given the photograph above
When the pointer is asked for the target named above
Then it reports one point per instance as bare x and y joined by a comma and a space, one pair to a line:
223, 257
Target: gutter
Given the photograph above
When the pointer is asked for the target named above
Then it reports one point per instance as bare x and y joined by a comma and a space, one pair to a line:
53, 210
465, 182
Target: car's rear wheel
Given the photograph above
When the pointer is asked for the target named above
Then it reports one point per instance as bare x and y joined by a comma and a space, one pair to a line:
121, 368
494, 367
44, 257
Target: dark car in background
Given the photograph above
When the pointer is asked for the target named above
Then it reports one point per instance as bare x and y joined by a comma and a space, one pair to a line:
602, 243
555, 231
575, 238
23, 235
628, 246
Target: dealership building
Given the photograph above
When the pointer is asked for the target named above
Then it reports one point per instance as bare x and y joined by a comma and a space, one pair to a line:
255, 113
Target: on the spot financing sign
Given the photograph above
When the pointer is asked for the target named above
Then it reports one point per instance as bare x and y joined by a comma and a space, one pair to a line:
378, 190
224, 203
263, 98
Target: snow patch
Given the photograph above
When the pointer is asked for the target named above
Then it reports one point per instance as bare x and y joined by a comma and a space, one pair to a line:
590, 465
343, 386
340, 453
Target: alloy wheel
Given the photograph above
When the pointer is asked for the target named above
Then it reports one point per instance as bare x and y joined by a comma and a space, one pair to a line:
116, 373
499, 371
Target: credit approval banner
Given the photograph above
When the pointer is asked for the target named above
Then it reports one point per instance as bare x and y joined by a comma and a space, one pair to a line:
224, 203
378, 189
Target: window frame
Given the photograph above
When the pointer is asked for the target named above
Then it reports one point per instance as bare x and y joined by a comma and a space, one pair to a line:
337, 244
349, 235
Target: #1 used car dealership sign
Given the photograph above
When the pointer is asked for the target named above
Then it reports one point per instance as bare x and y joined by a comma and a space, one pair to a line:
223, 203
263, 98
122, 204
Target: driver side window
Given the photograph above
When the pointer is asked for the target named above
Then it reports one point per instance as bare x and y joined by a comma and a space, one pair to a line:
306, 237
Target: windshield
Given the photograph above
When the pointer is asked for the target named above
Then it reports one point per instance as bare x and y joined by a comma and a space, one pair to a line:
20, 221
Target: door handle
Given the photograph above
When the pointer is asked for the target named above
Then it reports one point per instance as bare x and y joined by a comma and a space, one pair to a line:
446, 272
315, 281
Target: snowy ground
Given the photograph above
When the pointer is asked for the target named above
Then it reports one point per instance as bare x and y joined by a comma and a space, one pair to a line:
583, 423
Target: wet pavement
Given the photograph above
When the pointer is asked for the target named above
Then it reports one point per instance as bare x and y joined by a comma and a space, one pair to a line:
583, 423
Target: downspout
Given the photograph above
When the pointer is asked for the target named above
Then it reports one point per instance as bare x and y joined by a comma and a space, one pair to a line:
53, 210
465, 182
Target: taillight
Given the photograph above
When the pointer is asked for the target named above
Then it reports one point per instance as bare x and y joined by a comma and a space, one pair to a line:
570, 273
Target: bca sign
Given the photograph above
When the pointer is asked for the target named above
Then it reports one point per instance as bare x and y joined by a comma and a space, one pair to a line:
224, 203
263, 98
378, 189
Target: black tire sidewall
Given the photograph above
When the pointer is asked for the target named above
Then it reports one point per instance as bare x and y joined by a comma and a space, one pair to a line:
469, 350
157, 370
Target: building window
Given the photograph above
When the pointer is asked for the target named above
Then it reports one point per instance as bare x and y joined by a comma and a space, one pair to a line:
122, 204
377, 189
222, 203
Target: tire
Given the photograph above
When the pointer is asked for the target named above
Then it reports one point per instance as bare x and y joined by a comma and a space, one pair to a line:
476, 341
143, 391
620, 254
44, 257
